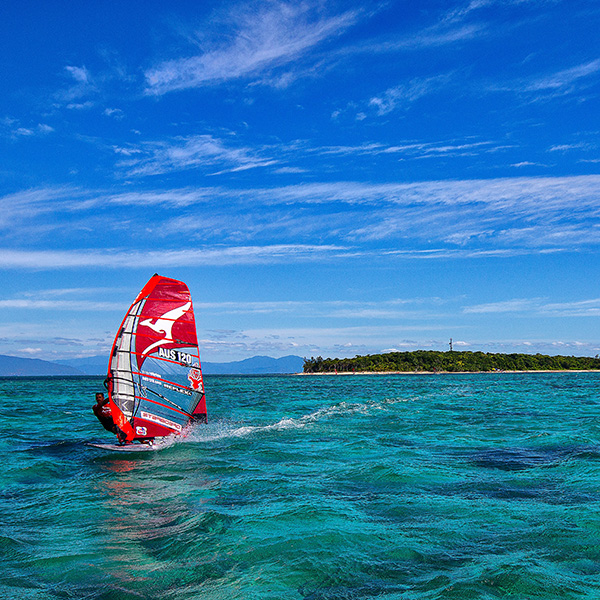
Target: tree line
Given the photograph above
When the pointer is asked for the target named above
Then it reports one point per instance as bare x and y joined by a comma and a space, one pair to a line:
434, 361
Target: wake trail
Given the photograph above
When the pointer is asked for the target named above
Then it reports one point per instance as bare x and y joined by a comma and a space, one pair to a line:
222, 429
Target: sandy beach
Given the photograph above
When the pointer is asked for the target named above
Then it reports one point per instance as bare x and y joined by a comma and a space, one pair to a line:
452, 372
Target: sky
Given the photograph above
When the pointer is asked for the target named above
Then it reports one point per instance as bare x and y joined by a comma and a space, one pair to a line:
329, 178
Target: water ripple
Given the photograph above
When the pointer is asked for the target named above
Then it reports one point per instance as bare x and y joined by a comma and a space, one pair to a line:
396, 487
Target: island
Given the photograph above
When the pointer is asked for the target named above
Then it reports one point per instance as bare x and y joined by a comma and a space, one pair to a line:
431, 361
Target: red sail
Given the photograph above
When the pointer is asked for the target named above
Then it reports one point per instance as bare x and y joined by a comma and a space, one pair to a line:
155, 379
167, 318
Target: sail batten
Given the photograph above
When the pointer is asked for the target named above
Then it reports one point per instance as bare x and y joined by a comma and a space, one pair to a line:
156, 344
175, 408
175, 362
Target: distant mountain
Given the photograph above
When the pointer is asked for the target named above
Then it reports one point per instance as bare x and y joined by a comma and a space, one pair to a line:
91, 365
13, 366
257, 365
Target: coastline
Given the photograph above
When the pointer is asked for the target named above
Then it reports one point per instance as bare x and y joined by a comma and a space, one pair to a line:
344, 373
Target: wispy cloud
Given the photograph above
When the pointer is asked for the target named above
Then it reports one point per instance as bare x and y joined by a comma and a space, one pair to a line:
517, 194
568, 147
31, 351
505, 306
179, 198
499, 215
420, 220
200, 151
413, 149
563, 79
54, 293
263, 36
81, 84
402, 96
14, 129
395, 308
464, 22
527, 163
441, 34
80, 74
239, 255
581, 308
85, 89
68, 305
559, 83
24, 206
539, 307
502, 217
115, 113
543, 345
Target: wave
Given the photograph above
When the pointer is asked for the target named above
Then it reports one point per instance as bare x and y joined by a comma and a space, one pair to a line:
223, 429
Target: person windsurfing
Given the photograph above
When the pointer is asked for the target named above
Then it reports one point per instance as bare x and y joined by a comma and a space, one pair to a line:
154, 380
103, 413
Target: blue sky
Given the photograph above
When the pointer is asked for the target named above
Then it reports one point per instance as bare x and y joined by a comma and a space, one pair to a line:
329, 178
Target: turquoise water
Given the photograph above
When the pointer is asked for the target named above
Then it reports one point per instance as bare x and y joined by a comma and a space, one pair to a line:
319, 488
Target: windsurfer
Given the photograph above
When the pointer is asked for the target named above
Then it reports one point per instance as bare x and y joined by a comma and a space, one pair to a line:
102, 411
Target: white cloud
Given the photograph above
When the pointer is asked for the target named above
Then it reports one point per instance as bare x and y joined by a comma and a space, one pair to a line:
421, 220
83, 86
412, 149
79, 74
80, 105
15, 129
25, 206
564, 78
440, 34
539, 307
79, 291
402, 96
263, 36
567, 147
116, 113
581, 308
55, 259
68, 305
506, 306
559, 83
200, 151
167, 198
519, 195
383, 309
288, 170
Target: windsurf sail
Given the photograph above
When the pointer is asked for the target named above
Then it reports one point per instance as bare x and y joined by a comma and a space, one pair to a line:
154, 382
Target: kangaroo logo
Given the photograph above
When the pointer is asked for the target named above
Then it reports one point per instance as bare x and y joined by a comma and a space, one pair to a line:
195, 378
164, 324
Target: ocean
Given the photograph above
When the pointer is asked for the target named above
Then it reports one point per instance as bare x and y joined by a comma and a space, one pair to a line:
400, 487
